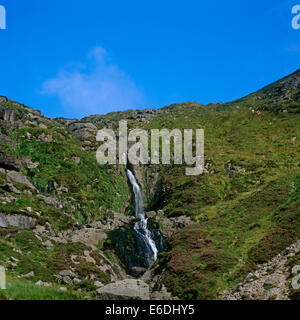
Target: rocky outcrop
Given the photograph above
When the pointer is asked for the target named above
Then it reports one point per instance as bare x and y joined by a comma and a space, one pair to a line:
269, 281
91, 256
14, 176
65, 121
11, 188
150, 179
19, 221
148, 287
169, 225
8, 115
84, 134
33, 112
88, 236
45, 138
157, 289
10, 119
139, 115
3, 100
67, 277
6, 140
83, 131
79, 125
128, 289
26, 161
10, 163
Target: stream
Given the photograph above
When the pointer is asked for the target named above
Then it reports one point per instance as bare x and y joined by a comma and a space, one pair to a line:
141, 227
139, 243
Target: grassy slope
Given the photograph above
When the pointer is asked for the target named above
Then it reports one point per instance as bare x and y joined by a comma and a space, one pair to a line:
276, 97
242, 220
238, 221
26, 290
94, 192
97, 188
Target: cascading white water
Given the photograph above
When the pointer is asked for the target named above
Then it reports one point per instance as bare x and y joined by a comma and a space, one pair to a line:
141, 227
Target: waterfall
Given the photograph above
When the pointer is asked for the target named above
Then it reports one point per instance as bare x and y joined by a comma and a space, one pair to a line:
141, 227
138, 197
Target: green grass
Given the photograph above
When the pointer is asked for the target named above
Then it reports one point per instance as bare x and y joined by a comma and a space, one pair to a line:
33, 256
98, 189
249, 217
239, 220
25, 290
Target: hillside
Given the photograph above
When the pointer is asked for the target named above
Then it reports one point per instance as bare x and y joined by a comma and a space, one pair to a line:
280, 96
62, 214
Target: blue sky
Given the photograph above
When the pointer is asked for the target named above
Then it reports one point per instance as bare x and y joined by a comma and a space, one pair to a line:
74, 58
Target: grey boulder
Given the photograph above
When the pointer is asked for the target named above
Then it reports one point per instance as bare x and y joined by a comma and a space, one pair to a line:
14, 176
84, 134
128, 289
19, 221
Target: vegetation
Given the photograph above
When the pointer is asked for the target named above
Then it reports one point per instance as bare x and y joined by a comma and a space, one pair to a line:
245, 207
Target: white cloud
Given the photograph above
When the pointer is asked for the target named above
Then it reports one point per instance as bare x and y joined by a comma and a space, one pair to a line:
96, 87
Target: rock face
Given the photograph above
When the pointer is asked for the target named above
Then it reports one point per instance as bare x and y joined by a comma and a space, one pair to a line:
11, 188
79, 125
3, 99
10, 163
9, 119
8, 115
83, 131
7, 141
128, 289
157, 289
16, 221
65, 121
14, 176
169, 225
140, 115
26, 161
84, 134
67, 277
181, 222
149, 180
89, 236
131, 248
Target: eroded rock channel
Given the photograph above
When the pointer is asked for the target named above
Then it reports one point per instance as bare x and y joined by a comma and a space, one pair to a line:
139, 243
